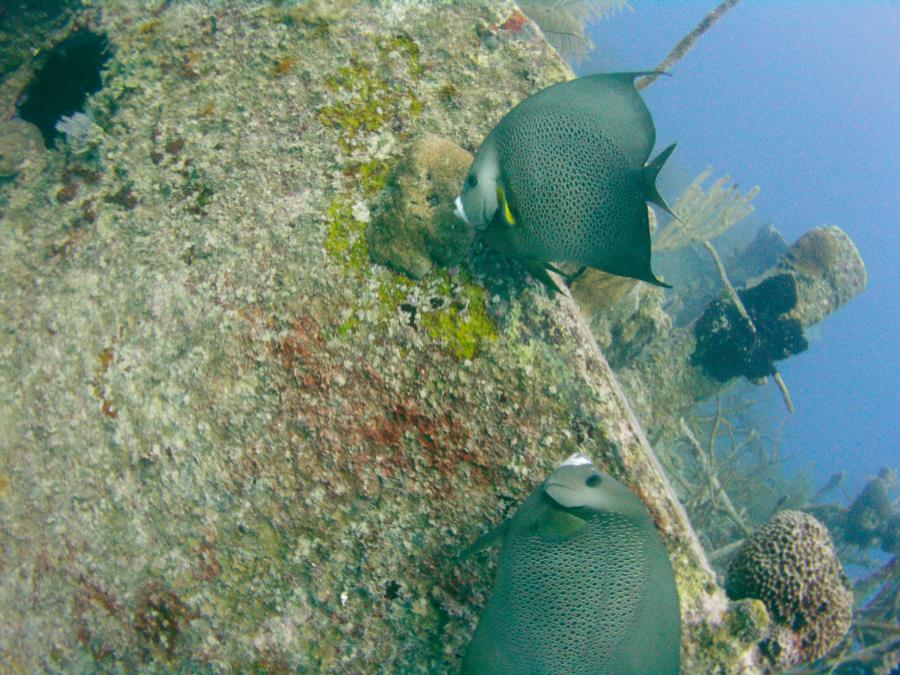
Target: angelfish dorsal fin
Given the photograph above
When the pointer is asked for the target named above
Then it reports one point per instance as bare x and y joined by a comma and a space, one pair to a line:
648, 176
620, 111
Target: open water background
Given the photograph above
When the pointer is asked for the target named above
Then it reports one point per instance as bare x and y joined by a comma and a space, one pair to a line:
801, 99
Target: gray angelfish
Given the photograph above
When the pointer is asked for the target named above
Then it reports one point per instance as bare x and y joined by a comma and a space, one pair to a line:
564, 177
584, 584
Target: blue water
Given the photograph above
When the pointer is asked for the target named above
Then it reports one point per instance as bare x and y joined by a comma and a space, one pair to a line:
801, 99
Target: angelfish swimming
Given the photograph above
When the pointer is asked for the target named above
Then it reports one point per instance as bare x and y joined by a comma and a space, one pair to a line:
584, 584
564, 177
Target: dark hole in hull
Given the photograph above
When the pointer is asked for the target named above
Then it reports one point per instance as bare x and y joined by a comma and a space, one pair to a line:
62, 84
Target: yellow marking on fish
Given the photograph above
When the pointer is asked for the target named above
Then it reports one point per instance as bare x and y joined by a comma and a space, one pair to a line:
507, 214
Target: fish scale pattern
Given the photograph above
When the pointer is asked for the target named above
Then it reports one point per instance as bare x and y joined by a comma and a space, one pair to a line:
568, 184
569, 607
570, 161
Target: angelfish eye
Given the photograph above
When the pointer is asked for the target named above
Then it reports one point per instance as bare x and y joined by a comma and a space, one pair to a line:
472, 180
593, 480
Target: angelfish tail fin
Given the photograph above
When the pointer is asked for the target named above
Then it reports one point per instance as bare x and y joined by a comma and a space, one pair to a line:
648, 176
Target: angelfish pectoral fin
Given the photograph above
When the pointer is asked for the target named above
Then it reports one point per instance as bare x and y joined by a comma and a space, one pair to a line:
569, 278
496, 535
490, 538
508, 217
649, 174
541, 272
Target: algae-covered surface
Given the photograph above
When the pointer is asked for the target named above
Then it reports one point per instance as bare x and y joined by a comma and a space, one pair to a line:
229, 440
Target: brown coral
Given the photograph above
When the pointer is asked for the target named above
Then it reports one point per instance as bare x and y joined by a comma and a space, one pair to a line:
414, 226
791, 565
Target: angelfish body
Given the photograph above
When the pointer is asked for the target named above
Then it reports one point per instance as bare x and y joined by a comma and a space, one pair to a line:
564, 177
584, 585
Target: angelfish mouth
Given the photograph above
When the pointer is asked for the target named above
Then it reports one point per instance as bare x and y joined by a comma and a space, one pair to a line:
557, 487
459, 212
564, 486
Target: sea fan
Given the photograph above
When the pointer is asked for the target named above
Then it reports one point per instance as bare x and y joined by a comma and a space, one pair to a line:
704, 214
563, 22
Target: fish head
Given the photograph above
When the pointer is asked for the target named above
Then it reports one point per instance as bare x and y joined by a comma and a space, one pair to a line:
581, 488
478, 202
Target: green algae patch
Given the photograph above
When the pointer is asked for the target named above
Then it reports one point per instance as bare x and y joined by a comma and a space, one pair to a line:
371, 176
364, 103
457, 318
463, 326
406, 47
346, 239
392, 290
348, 326
346, 245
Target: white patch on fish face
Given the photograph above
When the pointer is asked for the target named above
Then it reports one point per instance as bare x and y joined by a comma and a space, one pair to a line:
577, 459
458, 212
477, 203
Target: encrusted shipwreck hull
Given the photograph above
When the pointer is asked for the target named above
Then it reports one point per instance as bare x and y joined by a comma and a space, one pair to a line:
229, 440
